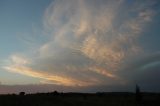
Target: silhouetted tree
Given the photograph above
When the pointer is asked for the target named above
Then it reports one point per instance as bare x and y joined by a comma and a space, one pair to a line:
22, 93
138, 94
55, 93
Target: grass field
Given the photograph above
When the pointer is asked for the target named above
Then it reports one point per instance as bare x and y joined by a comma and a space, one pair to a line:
80, 99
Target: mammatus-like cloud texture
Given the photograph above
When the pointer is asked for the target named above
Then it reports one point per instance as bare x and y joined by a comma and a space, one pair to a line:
90, 42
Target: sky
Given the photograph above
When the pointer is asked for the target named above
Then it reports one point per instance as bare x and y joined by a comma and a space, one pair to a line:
79, 45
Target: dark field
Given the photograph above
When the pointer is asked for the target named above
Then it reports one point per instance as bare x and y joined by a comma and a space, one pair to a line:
80, 99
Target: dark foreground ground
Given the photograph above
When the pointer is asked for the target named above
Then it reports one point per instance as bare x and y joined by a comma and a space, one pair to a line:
79, 99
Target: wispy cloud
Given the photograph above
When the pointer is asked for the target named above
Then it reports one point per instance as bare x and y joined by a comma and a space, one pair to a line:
89, 43
52, 79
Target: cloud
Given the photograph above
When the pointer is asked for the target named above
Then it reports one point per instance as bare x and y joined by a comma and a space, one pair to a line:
141, 66
90, 42
19, 65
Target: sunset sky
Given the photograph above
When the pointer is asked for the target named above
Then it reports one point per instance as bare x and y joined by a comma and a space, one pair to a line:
79, 45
